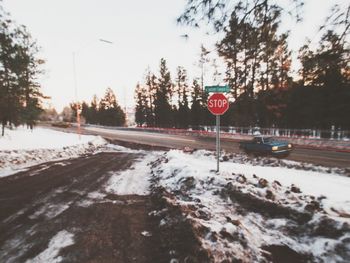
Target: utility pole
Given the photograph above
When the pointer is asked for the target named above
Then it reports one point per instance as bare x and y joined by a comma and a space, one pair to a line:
126, 115
78, 108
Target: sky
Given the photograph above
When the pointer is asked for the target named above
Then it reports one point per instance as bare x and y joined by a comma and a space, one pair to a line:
142, 32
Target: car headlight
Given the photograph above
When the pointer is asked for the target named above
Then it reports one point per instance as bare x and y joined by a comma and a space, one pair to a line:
289, 146
274, 148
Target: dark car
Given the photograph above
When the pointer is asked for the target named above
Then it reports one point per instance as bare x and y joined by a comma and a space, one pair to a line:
266, 146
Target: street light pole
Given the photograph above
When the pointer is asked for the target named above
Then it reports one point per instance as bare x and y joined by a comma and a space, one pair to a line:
76, 96
78, 109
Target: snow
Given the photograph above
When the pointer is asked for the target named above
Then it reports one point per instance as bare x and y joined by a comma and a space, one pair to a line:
334, 187
21, 148
231, 229
119, 148
204, 196
60, 240
134, 180
50, 210
40, 138
146, 234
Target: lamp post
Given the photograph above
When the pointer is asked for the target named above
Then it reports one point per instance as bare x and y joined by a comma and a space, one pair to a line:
77, 105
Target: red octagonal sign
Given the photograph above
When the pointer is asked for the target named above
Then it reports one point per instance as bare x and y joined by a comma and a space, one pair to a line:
218, 104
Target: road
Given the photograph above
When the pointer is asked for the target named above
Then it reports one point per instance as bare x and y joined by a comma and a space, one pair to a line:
326, 158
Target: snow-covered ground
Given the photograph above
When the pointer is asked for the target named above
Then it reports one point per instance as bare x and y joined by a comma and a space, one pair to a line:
21, 148
133, 181
60, 240
253, 207
247, 210
333, 188
40, 138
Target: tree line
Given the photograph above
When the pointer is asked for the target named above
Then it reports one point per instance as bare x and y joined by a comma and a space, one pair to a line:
160, 102
265, 90
105, 111
20, 95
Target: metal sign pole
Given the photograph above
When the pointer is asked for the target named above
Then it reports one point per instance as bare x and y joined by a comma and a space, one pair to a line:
218, 104
217, 142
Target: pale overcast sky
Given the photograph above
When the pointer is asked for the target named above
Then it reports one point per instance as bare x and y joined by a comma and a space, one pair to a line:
142, 32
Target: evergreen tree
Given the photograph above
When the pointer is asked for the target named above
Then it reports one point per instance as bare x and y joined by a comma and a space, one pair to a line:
219, 12
20, 96
9, 92
183, 106
162, 107
149, 97
141, 106
93, 111
325, 83
110, 113
85, 112
196, 107
27, 71
203, 59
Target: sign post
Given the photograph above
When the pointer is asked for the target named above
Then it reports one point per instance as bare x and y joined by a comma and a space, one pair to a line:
217, 105
217, 142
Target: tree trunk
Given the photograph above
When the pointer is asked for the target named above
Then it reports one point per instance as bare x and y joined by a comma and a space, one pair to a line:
236, 73
254, 68
3, 129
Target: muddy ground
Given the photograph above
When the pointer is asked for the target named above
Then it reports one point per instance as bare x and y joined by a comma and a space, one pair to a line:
48, 198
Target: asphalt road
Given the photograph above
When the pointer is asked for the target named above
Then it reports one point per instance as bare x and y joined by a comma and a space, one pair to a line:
327, 158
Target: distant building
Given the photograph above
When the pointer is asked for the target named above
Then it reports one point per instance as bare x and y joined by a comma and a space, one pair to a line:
130, 116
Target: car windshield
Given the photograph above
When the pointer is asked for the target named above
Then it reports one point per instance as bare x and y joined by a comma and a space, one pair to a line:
268, 139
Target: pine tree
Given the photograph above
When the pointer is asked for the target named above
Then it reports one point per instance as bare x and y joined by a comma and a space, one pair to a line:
20, 96
9, 93
141, 106
183, 105
110, 113
218, 12
27, 71
196, 107
203, 59
85, 112
162, 107
149, 97
325, 83
93, 110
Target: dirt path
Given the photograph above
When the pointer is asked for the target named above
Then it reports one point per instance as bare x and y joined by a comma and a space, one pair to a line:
50, 198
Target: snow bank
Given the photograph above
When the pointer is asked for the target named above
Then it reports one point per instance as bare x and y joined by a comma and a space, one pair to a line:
246, 210
40, 138
21, 148
60, 240
135, 180
333, 188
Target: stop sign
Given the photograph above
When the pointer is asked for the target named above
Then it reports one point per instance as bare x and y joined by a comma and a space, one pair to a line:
218, 104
